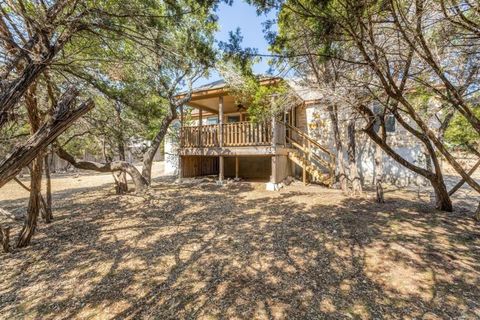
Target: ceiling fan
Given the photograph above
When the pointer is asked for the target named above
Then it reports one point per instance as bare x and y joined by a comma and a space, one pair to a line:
241, 107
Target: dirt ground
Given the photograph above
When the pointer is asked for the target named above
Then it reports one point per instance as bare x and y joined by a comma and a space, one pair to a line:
199, 250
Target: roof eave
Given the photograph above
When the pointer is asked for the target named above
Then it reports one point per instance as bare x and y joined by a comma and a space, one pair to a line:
224, 90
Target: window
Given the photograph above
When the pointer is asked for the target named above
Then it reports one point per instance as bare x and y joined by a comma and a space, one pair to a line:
378, 110
212, 120
390, 123
233, 119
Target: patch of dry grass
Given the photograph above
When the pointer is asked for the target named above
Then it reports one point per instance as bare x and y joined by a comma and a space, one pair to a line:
205, 251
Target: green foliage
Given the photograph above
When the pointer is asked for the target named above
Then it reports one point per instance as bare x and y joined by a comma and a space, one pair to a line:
11, 135
263, 96
461, 133
260, 98
234, 55
154, 50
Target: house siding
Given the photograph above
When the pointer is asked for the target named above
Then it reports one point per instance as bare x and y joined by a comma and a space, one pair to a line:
319, 126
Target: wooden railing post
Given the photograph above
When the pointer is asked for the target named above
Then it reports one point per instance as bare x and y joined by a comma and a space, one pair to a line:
181, 128
304, 171
220, 120
236, 167
309, 150
200, 132
180, 168
221, 174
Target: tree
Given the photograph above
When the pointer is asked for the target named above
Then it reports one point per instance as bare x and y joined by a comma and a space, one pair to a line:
32, 34
385, 49
30, 39
147, 79
64, 114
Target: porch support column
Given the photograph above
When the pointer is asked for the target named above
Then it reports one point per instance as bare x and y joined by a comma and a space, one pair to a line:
274, 132
220, 120
180, 169
221, 172
180, 160
181, 128
304, 176
200, 120
236, 167
274, 124
294, 116
181, 116
280, 171
304, 171
273, 177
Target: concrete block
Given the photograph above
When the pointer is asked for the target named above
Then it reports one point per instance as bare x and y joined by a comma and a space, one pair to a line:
270, 186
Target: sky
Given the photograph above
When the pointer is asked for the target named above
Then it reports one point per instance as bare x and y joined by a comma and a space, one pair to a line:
244, 16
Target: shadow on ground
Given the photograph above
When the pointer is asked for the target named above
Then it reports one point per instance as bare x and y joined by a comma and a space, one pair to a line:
205, 251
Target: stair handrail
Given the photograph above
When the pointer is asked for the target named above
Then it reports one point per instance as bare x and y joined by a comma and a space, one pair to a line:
307, 137
318, 158
330, 165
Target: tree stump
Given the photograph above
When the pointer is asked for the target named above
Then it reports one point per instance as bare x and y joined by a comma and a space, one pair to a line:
5, 238
379, 187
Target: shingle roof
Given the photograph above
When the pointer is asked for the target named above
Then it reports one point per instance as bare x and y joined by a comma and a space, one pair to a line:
304, 92
221, 83
212, 85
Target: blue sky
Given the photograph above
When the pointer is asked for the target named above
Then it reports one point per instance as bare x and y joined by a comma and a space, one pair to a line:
242, 15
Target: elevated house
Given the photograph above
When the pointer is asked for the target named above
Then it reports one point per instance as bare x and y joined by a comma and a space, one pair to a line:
214, 136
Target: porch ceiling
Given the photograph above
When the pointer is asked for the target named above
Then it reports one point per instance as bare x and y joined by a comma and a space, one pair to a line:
212, 104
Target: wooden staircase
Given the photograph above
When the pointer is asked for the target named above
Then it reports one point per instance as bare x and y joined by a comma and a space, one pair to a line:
316, 160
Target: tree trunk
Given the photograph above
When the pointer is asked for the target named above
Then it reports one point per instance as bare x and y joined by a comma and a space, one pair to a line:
31, 218
352, 158
462, 181
156, 142
10, 215
442, 199
113, 166
48, 190
120, 176
428, 161
15, 89
121, 183
341, 176
62, 119
5, 238
379, 174
42, 201
28, 68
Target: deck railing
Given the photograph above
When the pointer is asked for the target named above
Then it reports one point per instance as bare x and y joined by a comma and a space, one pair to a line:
239, 134
200, 136
235, 134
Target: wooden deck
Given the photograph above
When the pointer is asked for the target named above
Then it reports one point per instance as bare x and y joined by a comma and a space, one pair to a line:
231, 139
234, 151
238, 134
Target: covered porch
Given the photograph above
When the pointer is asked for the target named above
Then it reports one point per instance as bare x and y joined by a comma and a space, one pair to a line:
217, 137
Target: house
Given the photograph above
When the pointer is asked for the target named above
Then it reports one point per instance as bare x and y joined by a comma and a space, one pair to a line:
215, 137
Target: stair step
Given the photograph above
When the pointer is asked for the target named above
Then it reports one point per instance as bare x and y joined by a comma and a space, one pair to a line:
305, 146
310, 167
